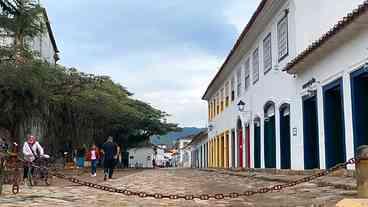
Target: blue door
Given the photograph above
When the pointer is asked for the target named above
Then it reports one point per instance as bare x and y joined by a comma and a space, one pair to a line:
334, 123
359, 91
285, 137
310, 132
270, 142
233, 148
257, 145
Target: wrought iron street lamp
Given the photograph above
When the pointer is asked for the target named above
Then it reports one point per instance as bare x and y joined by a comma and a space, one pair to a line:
241, 106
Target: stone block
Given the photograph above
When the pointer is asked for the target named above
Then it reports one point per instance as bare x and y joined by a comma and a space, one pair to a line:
353, 203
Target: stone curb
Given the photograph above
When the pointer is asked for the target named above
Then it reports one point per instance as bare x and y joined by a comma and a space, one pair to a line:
271, 177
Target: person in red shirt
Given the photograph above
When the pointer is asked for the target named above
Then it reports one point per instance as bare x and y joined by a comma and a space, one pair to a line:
94, 156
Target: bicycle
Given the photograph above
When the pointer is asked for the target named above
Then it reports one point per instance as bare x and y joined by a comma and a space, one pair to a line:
38, 171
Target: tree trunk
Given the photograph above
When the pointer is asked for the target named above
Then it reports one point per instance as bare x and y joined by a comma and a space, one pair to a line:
19, 48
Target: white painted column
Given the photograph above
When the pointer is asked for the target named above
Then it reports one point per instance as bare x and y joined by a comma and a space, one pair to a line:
202, 156
251, 140
278, 139
244, 145
229, 149
236, 148
348, 115
321, 129
262, 142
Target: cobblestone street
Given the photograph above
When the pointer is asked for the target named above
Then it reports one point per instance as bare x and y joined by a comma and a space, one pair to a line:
170, 181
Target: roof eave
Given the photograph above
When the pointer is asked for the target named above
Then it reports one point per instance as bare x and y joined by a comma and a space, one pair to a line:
291, 67
50, 32
236, 45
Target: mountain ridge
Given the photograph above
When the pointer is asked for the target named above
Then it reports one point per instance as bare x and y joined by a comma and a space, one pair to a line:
170, 138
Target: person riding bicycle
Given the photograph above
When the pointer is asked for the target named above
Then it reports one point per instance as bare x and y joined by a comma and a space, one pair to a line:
32, 150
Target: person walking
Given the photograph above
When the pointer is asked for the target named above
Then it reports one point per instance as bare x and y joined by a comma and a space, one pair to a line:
110, 151
94, 156
81, 151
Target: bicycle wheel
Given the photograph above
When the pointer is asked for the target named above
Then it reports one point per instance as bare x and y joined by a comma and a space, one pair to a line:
30, 181
48, 180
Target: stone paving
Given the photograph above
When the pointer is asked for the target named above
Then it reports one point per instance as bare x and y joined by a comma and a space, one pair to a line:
185, 181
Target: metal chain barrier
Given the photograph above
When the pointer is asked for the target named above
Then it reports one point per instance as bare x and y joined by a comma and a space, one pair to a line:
219, 196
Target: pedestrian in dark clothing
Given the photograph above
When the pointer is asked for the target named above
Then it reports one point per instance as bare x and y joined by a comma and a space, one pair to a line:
110, 152
81, 151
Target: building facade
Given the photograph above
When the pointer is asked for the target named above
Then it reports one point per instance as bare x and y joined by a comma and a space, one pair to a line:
199, 150
258, 114
141, 156
182, 157
43, 46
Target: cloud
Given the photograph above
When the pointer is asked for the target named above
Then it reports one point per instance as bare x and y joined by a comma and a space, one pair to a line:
165, 52
239, 12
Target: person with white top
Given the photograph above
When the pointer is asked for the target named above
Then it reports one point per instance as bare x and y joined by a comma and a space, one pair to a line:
32, 150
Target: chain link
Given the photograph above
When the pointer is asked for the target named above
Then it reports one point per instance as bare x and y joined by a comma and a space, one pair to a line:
219, 196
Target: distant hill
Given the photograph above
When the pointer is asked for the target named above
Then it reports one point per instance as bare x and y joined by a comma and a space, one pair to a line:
171, 137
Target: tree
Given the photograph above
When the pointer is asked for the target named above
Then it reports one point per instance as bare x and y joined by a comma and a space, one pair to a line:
73, 106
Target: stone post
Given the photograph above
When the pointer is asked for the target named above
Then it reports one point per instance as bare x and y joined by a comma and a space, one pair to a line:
362, 172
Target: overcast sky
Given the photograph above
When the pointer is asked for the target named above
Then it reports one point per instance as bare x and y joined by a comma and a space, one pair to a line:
165, 51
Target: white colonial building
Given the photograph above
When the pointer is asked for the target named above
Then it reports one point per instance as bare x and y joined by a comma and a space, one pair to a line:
182, 157
141, 156
199, 150
311, 116
44, 45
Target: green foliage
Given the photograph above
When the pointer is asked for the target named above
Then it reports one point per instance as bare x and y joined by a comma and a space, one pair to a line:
76, 107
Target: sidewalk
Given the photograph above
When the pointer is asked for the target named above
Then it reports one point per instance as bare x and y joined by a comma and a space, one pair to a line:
341, 179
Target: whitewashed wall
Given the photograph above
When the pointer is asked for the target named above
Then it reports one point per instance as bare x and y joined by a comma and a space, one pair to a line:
307, 20
43, 46
275, 86
336, 63
314, 18
142, 157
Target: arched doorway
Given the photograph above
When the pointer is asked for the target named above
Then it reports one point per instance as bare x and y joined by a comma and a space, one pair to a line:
285, 136
257, 143
269, 135
240, 143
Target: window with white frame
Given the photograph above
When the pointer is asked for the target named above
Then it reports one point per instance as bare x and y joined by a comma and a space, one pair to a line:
238, 82
222, 99
227, 97
5, 38
282, 38
213, 108
232, 85
267, 53
255, 65
247, 73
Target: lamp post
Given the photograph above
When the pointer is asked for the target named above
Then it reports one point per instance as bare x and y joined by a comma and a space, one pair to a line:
241, 109
241, 106
210, 127
247, 123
